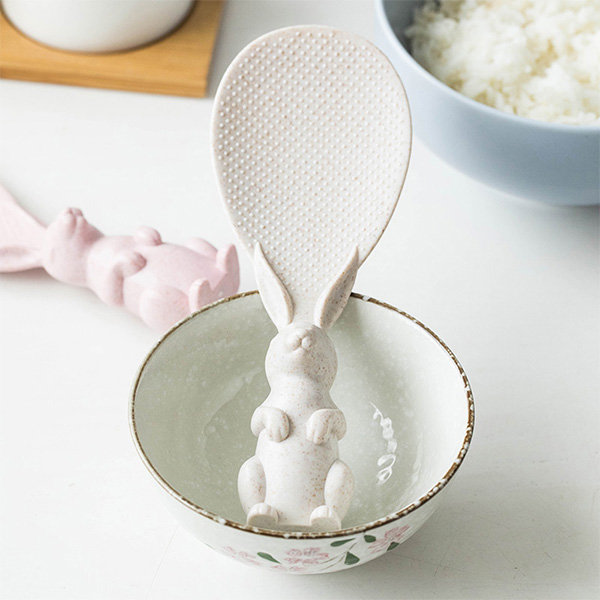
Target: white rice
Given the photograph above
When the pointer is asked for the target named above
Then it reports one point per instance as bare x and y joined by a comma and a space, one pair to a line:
533, 58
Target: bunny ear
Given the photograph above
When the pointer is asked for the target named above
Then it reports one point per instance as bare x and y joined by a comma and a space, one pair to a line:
333, 299
274, 296
20, 237
19, 258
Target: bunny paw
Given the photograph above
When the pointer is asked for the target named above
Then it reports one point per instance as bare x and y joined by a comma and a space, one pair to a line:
317, 429
278, 428
324, 518
130, 262
262, 515
147, 236
273, 420
324, 423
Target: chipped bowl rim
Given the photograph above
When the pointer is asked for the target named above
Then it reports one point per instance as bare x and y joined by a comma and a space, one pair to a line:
358, 529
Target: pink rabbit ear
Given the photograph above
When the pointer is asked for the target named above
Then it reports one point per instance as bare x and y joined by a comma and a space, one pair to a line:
334, 297
275, 297
20, 237
19, 258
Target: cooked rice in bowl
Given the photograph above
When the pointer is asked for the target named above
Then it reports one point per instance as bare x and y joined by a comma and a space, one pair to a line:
533, 58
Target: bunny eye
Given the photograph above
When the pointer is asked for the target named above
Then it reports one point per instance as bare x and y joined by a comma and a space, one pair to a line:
306, 343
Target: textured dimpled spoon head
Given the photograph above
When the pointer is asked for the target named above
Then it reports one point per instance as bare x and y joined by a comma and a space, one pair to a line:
311, 141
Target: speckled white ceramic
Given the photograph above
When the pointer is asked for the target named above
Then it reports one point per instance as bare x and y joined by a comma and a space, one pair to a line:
407, 402
552, 163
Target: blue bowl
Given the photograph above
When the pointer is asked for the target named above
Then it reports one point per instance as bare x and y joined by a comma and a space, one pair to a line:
550, 162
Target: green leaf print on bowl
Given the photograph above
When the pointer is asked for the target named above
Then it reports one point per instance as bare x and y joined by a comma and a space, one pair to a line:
341, 542
351, 559
267, 556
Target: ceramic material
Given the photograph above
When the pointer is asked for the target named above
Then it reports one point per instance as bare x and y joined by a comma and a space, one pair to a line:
96, 25
311, 138
552, 163
161, 283
406, 399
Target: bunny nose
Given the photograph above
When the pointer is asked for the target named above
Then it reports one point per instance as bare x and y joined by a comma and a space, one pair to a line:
299, 339
74, 212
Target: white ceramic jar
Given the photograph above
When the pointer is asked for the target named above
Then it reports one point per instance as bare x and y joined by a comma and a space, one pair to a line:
96, 25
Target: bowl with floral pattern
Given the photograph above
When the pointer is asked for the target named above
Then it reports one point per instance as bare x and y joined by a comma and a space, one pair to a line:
409, 413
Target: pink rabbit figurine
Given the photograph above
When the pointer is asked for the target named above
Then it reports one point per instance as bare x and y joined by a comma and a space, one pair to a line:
160, 282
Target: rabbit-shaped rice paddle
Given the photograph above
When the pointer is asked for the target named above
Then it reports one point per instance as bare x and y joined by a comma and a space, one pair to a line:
160, 282
295, 479
311, 141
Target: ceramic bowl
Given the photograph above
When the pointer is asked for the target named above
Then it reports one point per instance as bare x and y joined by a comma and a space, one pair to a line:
407, 403
96, 25
552, 163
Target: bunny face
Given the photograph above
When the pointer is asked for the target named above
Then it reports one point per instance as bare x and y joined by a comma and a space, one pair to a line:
302, 349
65, 247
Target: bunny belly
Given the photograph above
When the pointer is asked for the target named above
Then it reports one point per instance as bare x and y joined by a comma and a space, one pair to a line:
179, 267
295, 473
170, 266
166, 264
169, 272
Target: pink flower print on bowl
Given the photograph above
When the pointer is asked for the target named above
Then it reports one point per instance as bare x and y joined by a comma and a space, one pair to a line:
240, 555
308, 556
389, 541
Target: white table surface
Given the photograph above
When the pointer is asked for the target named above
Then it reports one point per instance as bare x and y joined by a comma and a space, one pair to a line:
511, 286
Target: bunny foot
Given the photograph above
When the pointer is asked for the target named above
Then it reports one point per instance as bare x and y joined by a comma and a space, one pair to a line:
262, 515
325, 518
339, 487
200, 294
251, 483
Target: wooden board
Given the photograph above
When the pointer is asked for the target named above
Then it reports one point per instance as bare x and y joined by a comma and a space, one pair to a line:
178, 64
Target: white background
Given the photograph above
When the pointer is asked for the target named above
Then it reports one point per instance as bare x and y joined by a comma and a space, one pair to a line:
511, 286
